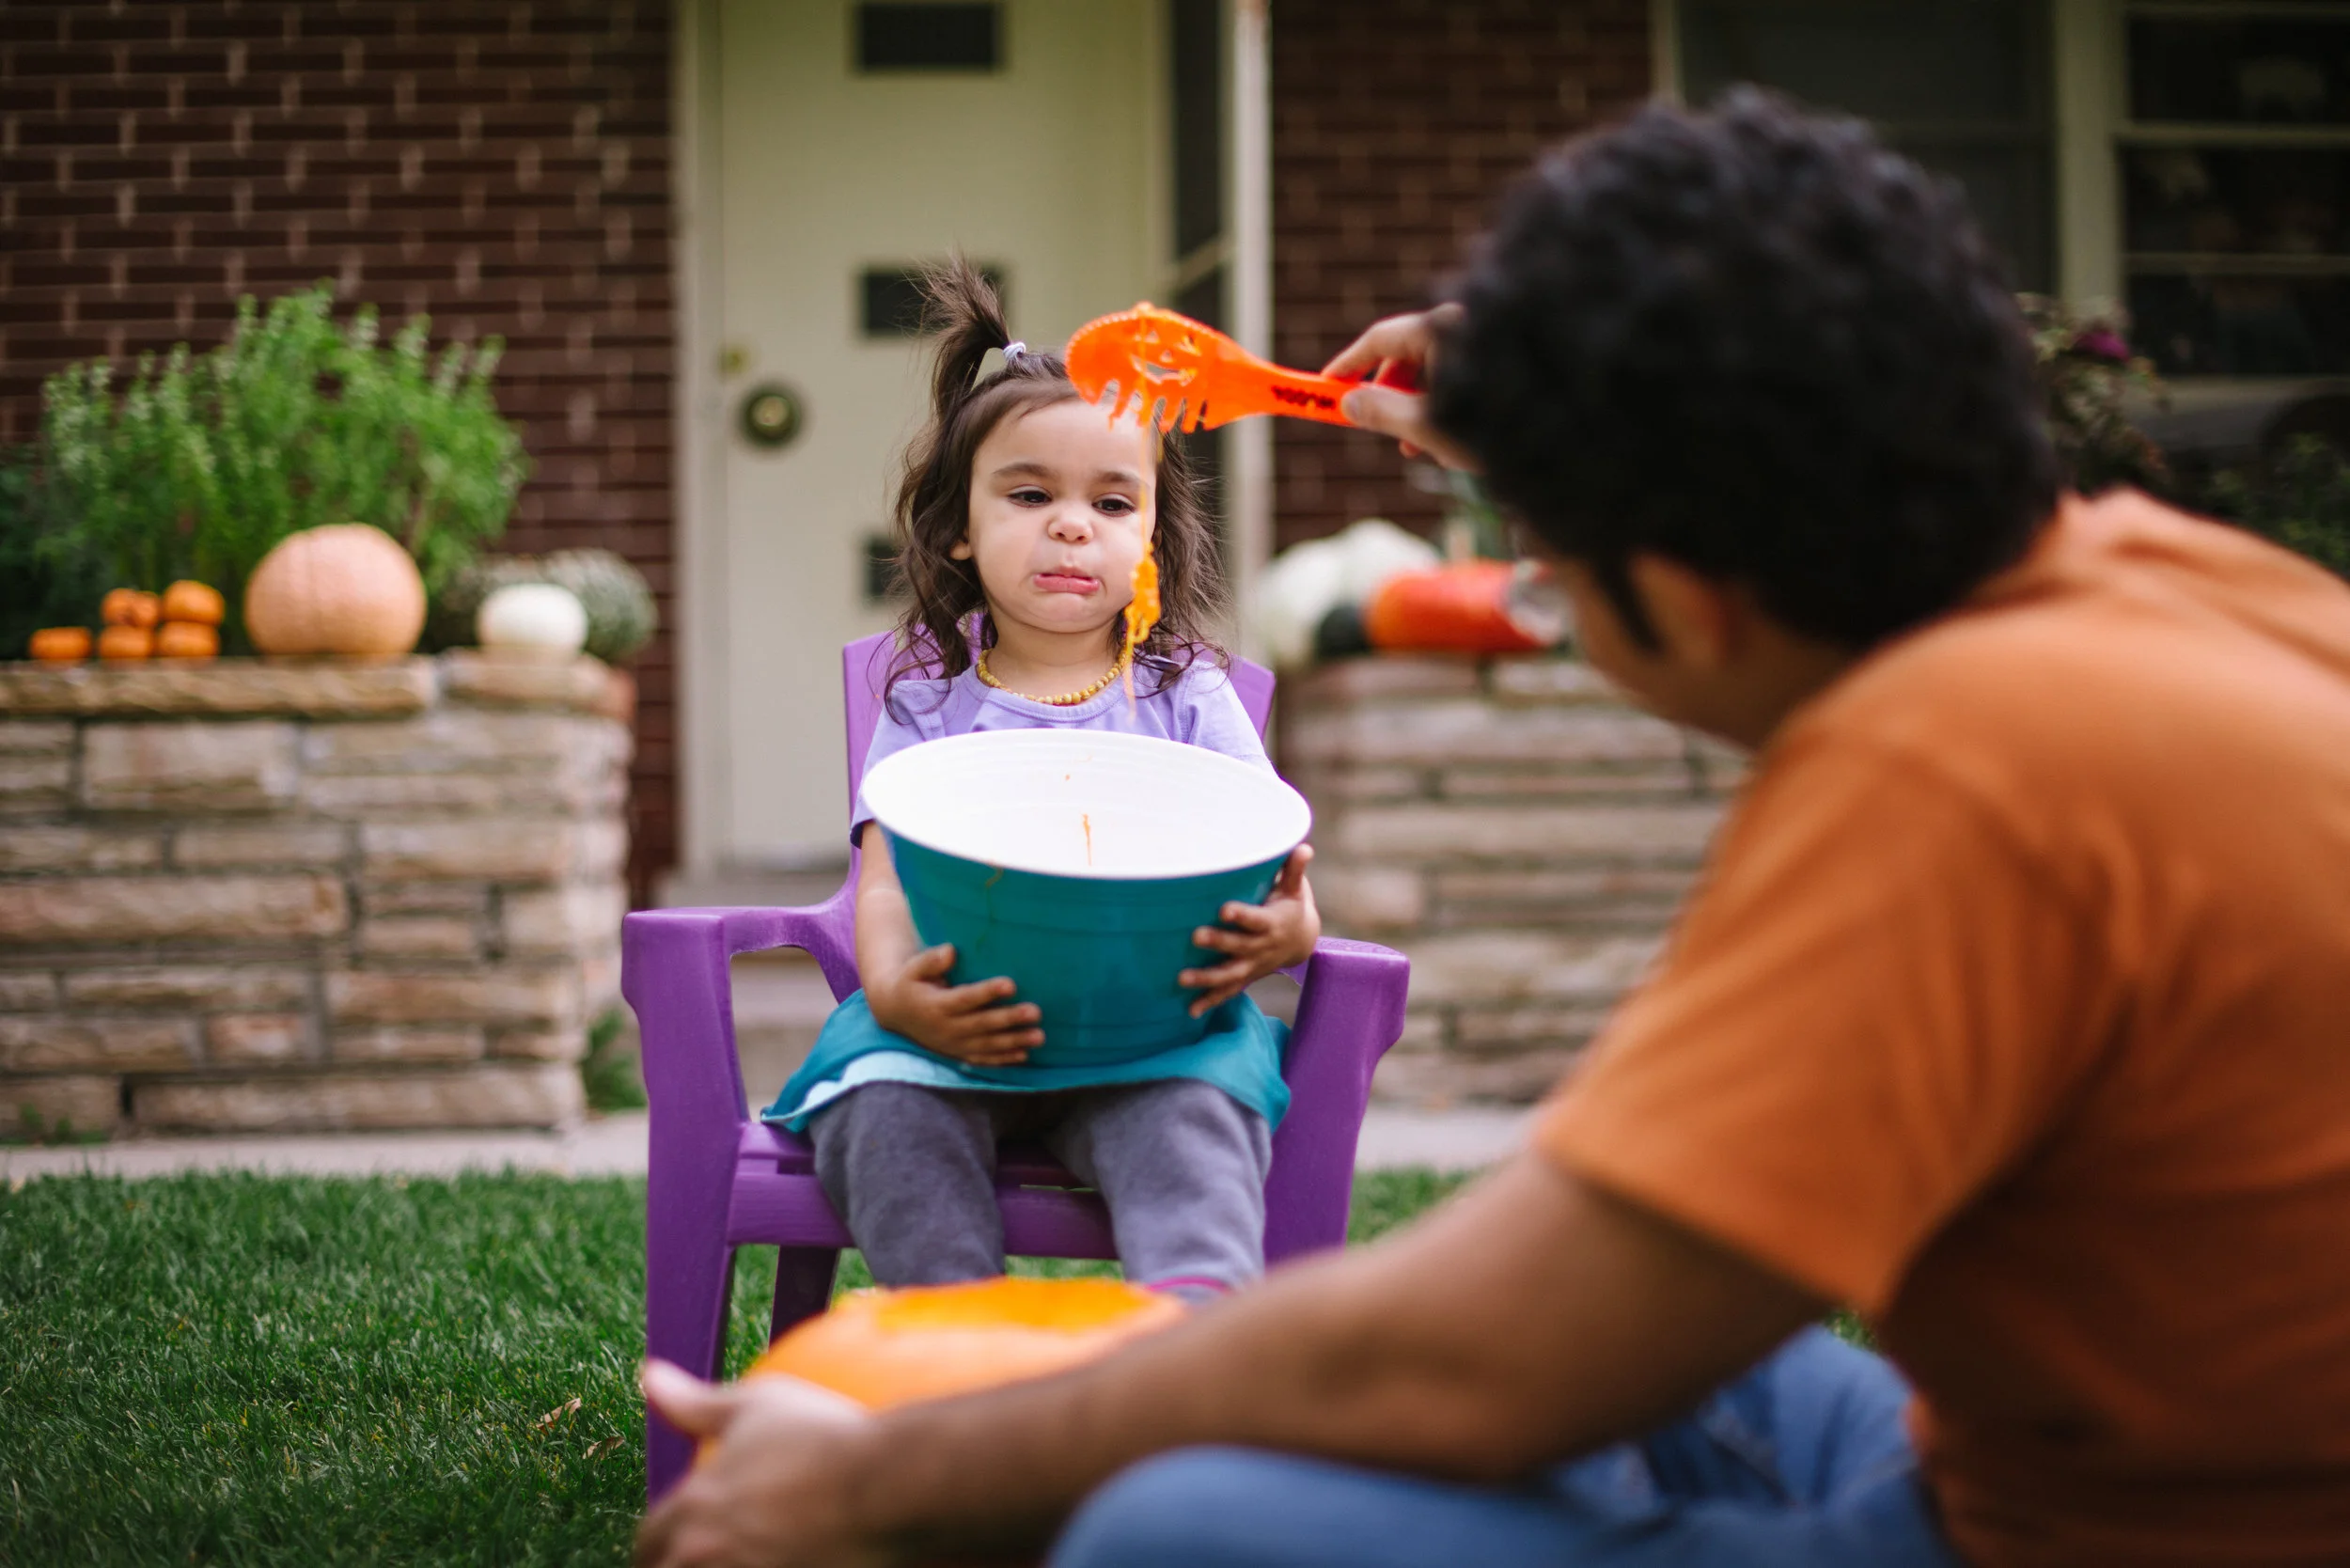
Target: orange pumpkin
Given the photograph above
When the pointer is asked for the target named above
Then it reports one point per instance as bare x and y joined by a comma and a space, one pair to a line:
185, 639
125, 642
343, 589
889, 1347
191, 600
130, 607
62, 645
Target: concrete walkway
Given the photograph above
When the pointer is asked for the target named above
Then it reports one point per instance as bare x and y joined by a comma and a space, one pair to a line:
614, 1146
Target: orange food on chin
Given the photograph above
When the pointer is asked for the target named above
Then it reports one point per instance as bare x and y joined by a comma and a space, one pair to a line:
882, 1348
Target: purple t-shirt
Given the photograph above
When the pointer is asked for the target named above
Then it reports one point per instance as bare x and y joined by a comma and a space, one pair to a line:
1197, 706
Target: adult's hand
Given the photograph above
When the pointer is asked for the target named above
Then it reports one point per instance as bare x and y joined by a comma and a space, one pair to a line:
771, 1492
1406, 342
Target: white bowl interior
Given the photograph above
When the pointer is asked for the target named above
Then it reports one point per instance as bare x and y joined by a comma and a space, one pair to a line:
1086, 804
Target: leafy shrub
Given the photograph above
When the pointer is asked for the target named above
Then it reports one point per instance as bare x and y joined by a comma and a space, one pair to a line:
2086, 372
622, 615
610, 1073
37, 587
2301, 500
198, 464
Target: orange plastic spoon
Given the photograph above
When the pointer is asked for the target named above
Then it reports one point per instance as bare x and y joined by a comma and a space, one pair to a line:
1182, 374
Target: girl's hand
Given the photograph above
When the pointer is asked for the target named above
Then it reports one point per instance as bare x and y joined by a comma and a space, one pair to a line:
1257, 938
969, 1023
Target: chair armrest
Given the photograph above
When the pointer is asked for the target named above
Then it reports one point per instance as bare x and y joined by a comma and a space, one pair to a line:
1350, 1011
674, 973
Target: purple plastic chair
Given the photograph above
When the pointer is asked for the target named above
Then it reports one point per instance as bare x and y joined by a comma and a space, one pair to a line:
719, 1180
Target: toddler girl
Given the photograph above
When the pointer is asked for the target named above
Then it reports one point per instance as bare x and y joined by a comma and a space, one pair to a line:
1021, 516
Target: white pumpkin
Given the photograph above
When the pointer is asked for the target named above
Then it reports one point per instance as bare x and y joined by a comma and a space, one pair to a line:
532, 620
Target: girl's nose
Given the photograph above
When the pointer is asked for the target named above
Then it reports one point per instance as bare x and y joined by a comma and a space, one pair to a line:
1071, 526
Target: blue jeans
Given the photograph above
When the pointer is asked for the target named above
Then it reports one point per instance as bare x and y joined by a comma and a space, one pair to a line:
1803, 1463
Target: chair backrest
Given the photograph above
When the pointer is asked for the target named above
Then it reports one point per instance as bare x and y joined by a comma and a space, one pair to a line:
865, 676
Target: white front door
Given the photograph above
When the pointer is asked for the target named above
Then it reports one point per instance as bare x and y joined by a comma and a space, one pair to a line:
830, 176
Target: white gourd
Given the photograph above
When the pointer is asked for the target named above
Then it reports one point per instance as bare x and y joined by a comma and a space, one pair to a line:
532, 620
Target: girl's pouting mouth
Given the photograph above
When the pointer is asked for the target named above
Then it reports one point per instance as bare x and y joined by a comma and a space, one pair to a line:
1068, 582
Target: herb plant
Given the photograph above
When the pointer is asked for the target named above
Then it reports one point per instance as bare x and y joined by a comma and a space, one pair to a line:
198, 464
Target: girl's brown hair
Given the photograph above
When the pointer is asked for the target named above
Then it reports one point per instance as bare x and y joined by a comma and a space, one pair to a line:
942, 628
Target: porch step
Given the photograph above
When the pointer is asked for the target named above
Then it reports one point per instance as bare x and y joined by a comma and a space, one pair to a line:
780, 1003
766, 886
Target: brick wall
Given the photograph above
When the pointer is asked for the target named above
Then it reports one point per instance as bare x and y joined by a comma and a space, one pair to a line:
502, 166
1395, 125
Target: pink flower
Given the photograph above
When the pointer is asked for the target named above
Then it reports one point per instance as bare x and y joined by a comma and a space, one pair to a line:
2101, 343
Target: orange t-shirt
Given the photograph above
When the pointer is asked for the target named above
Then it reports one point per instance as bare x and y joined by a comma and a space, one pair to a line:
2015, 1011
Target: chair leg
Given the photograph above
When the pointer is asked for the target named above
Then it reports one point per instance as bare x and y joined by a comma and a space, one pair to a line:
687, 1292
803, 1282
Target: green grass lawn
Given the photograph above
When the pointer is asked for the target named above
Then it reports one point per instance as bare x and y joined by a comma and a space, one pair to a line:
250, 1371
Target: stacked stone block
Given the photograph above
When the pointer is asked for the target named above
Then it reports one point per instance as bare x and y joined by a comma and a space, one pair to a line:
1517, 830
261, 896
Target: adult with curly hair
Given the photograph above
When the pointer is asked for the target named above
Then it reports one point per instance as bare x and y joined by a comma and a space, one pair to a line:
2010, 1013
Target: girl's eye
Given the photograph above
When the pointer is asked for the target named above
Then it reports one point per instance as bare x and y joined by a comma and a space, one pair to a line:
1115, 506
1029, 496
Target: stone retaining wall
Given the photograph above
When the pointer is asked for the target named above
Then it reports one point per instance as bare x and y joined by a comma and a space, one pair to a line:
269, 895
1516, 829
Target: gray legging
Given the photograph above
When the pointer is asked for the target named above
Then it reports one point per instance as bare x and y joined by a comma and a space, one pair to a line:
911, 1171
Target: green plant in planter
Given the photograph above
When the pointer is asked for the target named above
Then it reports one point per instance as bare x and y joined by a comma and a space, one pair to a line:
622, 615
199, 463
39, 585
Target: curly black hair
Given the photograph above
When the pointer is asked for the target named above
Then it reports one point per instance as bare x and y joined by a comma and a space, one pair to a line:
1757, 342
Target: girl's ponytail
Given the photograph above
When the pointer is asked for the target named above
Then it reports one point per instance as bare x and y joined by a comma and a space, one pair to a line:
962, 314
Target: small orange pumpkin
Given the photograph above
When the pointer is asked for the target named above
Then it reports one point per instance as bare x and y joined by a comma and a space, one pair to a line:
185, 639
130, 608
191, 600
343, 589
61, 645
125, 642
882, 1348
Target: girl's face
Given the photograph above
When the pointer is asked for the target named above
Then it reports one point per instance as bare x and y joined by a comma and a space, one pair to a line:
1057, 522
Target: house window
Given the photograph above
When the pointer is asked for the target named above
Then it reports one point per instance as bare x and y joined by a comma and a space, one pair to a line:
889, 299
929, 38
2235, 173
1961, 85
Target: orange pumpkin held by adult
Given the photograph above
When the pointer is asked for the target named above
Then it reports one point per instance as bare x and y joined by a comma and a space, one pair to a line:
882, 1348
344, 588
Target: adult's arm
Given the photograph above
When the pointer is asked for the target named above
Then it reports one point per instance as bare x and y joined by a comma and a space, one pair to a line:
1532, 1318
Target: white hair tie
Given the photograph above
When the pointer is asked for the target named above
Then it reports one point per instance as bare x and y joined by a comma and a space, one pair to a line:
1014, 350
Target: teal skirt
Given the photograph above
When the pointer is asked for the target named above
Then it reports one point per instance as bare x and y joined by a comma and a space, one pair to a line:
1241, 1055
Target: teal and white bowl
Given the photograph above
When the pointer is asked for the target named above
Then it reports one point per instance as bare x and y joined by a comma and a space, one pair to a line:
1079, 863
